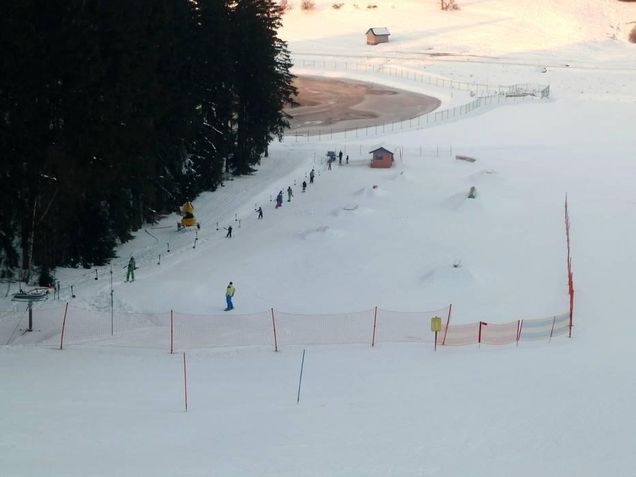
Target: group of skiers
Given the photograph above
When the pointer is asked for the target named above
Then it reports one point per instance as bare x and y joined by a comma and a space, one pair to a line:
290, 194
333, 159
231, 290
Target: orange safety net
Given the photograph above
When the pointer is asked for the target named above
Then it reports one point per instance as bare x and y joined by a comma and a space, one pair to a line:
545, 328
495, 334
47, 322
142, 330
270, 328
400, 326
207, 331
341, 328
460, 335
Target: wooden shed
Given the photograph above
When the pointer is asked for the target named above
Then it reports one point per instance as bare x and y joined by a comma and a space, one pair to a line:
382, 158
377, 35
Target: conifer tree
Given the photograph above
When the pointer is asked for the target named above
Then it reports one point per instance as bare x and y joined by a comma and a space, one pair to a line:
112, 113
262, 81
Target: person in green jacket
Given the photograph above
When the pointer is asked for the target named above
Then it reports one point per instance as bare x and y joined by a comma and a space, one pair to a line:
130, 275
229, 293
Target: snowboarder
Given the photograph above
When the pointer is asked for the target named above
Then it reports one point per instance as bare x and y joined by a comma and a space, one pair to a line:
340, 158
229, 293
229, 232
260, 212
311, 176
130, 275
290, 194
279, 200
304, 185
347, 159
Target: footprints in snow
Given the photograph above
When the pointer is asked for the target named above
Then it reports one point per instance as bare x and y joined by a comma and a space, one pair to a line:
346, 210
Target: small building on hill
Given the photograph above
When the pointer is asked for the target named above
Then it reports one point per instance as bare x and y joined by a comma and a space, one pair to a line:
377, 35
382, 158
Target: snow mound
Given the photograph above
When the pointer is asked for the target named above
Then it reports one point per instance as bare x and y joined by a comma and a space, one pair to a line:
452, 275
314, 233
459, 200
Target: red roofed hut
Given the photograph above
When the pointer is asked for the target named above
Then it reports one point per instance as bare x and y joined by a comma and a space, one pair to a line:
382, 158
377, 35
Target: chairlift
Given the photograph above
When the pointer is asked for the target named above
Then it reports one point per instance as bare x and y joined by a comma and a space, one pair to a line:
30, 296
36, 294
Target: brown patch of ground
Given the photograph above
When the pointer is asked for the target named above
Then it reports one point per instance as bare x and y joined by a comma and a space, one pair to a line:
334, 105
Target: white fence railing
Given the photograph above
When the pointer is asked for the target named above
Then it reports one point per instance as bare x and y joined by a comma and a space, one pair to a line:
410, 74
485, 97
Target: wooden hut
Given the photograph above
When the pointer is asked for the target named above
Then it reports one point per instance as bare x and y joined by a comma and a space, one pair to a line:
377, 35
382, 158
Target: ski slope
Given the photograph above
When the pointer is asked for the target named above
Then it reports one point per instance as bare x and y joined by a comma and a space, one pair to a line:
360, 238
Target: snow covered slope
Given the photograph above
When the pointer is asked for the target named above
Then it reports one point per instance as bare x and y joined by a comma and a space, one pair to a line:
491, 27
361, 237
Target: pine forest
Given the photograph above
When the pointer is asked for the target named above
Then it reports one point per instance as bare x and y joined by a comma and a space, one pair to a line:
114, 112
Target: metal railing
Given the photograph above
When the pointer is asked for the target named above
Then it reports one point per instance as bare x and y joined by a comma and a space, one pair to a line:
485, 96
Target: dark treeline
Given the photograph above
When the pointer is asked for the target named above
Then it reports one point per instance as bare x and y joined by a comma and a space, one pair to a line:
113, 112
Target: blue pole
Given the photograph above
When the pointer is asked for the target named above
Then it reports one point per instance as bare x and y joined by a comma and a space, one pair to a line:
300, 380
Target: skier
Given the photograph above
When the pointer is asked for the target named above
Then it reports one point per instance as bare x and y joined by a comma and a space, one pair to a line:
311, 176
329, 165
229, 293
279, 200
290, 194
347, 159
340, 158
304, 185
260, 212
229, 232
130, 275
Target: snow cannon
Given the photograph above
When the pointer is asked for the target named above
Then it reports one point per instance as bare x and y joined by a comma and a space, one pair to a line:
188, 219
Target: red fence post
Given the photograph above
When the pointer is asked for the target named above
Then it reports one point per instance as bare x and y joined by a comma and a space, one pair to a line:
567, 226
274, 328
375, 318
63, 326
171, 332
450, 308
571, 311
